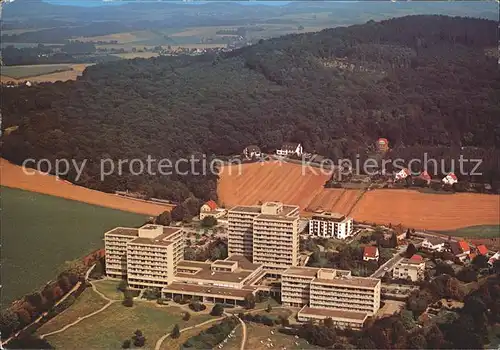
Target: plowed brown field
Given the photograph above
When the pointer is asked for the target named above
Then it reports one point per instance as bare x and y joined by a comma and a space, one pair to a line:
428, 211
271, 181
14, 176
326, 199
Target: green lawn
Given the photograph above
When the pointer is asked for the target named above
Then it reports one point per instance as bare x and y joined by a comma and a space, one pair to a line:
258, 335
88, 302
19, 72
40, 233
109, 289
480, 231
108, 329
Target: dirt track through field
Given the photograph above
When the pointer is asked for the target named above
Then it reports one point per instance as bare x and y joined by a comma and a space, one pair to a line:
13, 176
285, 182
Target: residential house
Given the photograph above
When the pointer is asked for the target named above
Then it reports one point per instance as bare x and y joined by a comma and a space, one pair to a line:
402, 174
370, 253
383, 144
290, 148
460, 249
210, 208
433, 243
482, 250
252, 151
426, 177
450, 179
412, 268
494, 258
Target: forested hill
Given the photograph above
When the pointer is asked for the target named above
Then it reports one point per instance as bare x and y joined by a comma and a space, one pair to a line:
427, 83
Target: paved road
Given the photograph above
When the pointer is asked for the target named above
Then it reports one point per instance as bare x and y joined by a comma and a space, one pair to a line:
389, 264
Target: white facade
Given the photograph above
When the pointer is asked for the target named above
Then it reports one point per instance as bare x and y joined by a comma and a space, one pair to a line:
288, 149
331, 225
403, 174
371, 253
252, 152
147, 256
450, 179
430, 244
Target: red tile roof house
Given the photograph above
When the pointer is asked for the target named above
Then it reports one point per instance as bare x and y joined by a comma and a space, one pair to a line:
450, 179
210, 208
460, 249
417, 258
481, 249
370, 253
425, 176
403, 174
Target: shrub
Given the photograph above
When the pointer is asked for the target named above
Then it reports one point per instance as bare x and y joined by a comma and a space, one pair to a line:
197, 306
128, 301
209, 338
122, 286
217, 310
187, 316
126, 344
176, 332
139, 339
151, 294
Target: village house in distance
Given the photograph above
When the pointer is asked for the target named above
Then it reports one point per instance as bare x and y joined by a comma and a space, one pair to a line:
210, 208
252, 151
289, 149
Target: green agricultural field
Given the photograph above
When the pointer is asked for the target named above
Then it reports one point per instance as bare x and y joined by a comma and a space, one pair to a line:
20, 72
40, 233
481, 231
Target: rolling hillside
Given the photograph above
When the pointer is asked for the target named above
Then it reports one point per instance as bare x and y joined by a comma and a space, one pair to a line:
424, 82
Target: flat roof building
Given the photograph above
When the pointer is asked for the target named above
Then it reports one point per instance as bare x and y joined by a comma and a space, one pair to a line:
266, 234
319, 291
222, 281
328, 224
115, 246
147, 256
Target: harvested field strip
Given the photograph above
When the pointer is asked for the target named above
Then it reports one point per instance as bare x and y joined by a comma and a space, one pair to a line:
14, 176
19, 72
358, 198
428, 211
73, 71
258, 182
346, 203
326, 199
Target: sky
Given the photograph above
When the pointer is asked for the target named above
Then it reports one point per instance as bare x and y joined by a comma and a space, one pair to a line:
90, 3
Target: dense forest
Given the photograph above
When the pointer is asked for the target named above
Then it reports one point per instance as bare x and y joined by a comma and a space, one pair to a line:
427, 83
